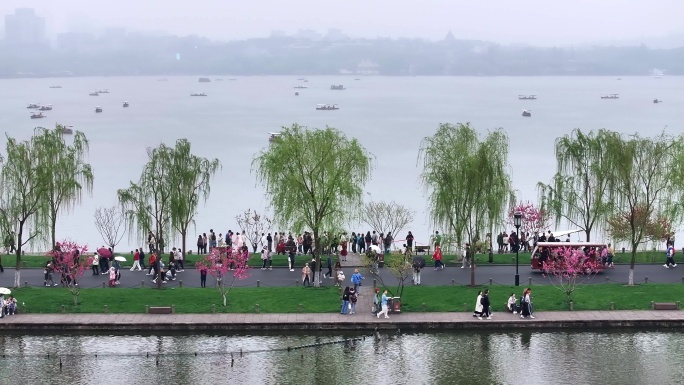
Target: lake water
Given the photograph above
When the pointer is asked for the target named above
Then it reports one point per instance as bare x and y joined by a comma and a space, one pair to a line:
389, 114
619, 357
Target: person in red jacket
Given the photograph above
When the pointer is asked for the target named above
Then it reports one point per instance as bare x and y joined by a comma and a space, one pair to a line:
437, 256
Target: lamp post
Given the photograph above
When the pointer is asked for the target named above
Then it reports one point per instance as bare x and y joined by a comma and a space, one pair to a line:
517, 221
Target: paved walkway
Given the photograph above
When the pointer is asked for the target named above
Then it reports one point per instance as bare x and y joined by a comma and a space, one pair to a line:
363, 320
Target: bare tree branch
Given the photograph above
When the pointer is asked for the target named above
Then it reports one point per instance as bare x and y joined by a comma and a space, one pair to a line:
253, 224
386, 217
109, 222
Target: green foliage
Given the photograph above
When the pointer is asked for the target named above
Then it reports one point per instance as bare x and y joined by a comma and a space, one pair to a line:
169, 190
22, 195
647, 188
313, 178
581, 190
63, 169
467, 180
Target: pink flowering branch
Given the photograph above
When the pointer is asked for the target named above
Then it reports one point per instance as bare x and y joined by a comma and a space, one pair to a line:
225, 264
70, 262
571, 267
534, 219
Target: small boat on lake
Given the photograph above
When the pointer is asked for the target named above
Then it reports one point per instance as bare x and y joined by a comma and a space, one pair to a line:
125, 104
296, 93
300, 87
94, 93
327, 107
527, 113
273, 136
103, 91
55, 86
47, 107
66, 129
198, 94
98, 109
38, 115
204, 80
33, 105
527, 97
338, 87
656, 101
611, 96
232, 78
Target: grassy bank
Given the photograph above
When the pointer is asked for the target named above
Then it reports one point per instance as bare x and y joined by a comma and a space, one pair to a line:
326, 299
281, 260
545, 298
186, 300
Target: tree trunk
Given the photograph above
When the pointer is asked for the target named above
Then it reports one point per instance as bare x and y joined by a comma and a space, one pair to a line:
631, 267
184, 234
75, 299
159, 270
17, 271
224, 299
53, 237
317, 243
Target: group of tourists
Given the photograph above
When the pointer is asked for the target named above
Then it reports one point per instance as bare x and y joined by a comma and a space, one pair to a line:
522, 306
7, 306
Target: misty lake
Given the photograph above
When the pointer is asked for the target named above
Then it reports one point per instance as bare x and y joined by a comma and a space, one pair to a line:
389, 114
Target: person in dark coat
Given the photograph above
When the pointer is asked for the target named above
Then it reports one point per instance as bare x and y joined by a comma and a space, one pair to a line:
485, 305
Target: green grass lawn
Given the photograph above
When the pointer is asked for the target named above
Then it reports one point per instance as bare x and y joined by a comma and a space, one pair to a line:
281, 260
545, 298
326, 299
186, 300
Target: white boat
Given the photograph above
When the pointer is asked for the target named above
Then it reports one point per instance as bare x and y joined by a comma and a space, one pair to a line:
33, 105
37, 116
338, 87
300, 87
125, 104
198, 94
657, 73
327, 107
46, 107
527, 97
527, 113
94, 94
66, 129
611, 96
98, 109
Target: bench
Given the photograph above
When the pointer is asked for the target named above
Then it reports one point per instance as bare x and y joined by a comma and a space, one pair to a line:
159, 310
665, 305
422, 249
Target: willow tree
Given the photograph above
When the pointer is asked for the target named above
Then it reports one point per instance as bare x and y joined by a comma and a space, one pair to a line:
22, 194
146, 204
467, 181
189, 178
63, 169
649, 189
581, 190
313, 179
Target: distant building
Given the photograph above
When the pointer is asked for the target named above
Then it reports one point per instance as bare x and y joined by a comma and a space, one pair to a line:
367, 67
24, 27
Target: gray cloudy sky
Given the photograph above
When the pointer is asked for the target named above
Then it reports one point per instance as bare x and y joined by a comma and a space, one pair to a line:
506, 21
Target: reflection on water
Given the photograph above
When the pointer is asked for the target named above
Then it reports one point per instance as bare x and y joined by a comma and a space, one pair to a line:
338, 358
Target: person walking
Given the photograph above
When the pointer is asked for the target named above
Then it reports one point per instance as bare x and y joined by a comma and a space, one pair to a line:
418, 265
353, 297
339, 274
95, 264
356, 279
141, 259
526, 304
478, 306
306, 275
466, 256
669, 262
49, 269
330, 267
136, 261
376, 301
485, 305
409, 241
437, 256
345, 301
383, 303
203, 276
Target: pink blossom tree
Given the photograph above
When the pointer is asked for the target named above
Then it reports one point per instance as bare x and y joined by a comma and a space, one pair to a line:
534, 219
225, 264
70, 262
570, 267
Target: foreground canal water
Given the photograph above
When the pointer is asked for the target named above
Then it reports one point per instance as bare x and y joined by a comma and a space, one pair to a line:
565, 357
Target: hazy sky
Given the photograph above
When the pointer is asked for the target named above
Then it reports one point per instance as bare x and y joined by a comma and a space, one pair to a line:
506, 21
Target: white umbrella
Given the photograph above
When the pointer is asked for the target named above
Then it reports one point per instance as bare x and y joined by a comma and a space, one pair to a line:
5, 291
120, 258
